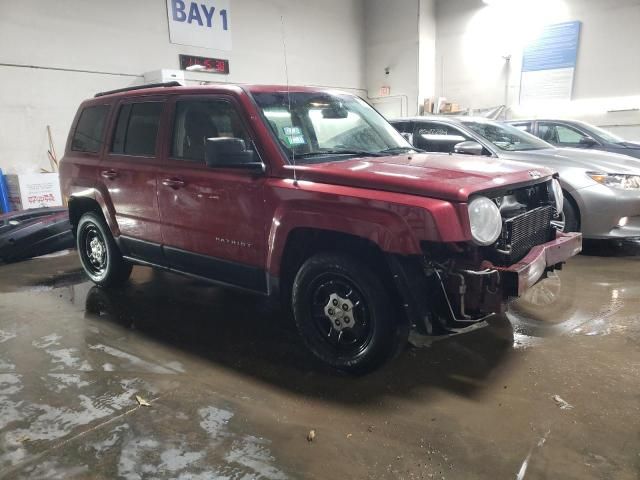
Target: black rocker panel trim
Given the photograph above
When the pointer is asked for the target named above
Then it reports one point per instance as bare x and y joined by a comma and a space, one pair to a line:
218, 270
141, 249
246, 276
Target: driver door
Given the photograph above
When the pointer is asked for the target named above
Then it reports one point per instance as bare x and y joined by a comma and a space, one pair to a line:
213, 222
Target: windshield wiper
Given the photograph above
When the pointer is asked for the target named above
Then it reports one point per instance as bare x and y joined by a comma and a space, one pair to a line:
401, 150
319, 153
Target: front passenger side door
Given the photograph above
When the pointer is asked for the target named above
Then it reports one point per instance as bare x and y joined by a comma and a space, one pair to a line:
212, 217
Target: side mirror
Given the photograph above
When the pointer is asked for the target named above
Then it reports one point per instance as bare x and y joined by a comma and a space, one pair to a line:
227, 152
588, 142
468, 148
407, 136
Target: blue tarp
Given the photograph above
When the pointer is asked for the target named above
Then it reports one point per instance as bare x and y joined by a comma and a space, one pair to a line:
4, 195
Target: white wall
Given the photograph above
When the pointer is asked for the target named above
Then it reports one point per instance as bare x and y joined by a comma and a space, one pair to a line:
122, 39
391, 41
427, 50
400, 36
472, 38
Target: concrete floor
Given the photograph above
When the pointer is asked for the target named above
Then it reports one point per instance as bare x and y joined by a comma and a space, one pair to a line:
233, 394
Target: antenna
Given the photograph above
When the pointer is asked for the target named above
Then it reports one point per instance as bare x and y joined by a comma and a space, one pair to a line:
286, 74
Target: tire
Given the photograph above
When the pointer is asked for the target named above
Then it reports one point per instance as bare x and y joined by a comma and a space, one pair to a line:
100, 257
344, 313
570, 214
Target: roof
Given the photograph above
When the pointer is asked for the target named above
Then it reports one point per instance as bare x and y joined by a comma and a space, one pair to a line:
565, 120
442, 118
174, 87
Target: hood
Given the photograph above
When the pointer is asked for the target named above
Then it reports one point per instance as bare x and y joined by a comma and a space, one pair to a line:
443, 176
559, 159
630, 144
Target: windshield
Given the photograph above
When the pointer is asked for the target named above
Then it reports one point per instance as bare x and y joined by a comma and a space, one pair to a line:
506, 137
323, 126
603, 134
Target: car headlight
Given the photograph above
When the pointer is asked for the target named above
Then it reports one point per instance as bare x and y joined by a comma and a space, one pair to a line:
485, 220
616, 180
558, 196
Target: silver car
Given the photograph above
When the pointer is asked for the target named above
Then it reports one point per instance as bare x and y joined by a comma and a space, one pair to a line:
602, 189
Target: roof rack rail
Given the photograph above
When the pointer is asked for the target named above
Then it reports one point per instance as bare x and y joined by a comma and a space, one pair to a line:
139, 87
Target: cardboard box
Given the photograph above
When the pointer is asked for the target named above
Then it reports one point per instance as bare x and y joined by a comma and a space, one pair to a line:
445, 107
427, 106
34, 190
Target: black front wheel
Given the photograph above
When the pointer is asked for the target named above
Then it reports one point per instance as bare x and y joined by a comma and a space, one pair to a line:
344, 314
99, 254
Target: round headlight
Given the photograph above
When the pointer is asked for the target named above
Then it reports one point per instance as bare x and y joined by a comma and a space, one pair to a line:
485, 220
558, 196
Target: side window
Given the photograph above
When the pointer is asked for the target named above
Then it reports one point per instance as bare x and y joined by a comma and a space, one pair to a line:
402, 127
197, 120
547, 133
436, 137
525, 127
89, 134
137, 129
560, 134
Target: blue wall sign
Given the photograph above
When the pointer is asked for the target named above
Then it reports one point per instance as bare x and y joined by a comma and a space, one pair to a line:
556, 47
548, 63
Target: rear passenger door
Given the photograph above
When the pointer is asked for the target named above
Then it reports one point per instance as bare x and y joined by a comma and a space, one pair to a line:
213, 222
129, 174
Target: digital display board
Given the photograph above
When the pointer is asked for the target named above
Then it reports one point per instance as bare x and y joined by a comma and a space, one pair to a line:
193, 63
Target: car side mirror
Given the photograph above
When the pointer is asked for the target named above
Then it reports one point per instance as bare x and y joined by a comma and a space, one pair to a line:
228, 152
407, 136
468, 148
588, 142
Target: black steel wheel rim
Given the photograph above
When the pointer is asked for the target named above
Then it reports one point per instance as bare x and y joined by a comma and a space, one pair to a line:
348, 342
94, 249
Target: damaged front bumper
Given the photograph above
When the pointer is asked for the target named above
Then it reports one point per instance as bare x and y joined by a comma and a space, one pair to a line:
522, 275
443, 296
474, 294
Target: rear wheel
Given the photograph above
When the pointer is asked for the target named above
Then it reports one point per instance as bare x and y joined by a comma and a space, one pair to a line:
99, 254
344, 314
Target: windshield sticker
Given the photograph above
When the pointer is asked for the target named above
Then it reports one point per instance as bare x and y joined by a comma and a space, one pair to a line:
289, 131
295, 140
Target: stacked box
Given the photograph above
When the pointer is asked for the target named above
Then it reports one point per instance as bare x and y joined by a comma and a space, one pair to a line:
34, 190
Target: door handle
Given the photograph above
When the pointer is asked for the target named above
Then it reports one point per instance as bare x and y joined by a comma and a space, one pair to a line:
174, 183
110, 174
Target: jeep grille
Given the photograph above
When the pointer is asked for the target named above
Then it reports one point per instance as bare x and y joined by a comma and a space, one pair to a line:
523, 232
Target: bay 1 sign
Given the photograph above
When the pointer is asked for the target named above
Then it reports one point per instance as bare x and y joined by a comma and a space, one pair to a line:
204, 23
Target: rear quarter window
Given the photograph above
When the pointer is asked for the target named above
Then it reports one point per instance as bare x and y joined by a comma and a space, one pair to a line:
89, 133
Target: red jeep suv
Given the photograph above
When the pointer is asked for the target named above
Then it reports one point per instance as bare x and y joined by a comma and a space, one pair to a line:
309, 195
